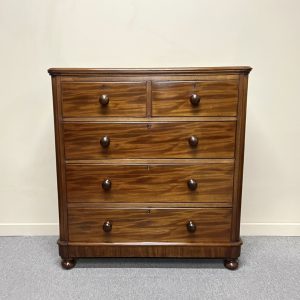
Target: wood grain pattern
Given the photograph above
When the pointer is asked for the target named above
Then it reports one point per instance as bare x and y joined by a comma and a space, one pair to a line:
239, 162
145, 120
150, 204
151, 140
149, 77
144, 250
153, 161
159, 183
149, 119
149, 225
60, 166
218, 98
81, 99
149, 71
149, 99
125, 244
188, 250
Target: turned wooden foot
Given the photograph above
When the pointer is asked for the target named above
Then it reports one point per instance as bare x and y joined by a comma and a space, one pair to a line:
231, 263
68, 263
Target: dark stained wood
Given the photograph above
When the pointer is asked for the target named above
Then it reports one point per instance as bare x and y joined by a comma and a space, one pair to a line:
239, 162
150, 204
214, 183
149, 225
81, 99
148, 77
145, 120
68, 263
148, 208
144, 71
151, 140
124, 244
60, 165
152, 161
149, 99
63, 249
196, 250
217, 98
231, 263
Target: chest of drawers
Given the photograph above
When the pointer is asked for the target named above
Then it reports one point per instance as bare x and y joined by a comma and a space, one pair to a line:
150, 162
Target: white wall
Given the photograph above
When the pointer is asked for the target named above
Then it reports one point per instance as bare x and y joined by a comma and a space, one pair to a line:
38, 34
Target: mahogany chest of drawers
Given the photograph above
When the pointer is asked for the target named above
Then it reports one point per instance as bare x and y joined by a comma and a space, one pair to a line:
150, 162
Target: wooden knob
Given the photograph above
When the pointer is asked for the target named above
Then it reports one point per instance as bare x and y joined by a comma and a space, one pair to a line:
104, 99
193, 141
195, 99
106, 185
107, 226
192, 184
191, 226
105, 141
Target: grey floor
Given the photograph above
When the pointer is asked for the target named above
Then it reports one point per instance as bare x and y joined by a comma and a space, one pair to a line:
30, 269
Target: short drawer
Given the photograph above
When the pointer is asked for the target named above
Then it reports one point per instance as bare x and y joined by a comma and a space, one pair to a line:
199, 98
99, 99
206, 182
92, 141
149, 225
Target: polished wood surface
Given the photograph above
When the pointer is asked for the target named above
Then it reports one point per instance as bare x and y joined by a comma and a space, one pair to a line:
196, 250
149, 225
150, 140
231, 263
150, 162
215, 98
148, 71
83, 99
146, 120
68, 263
132, 77
239, 161
149, 183
150, 204
60, 156
178, 250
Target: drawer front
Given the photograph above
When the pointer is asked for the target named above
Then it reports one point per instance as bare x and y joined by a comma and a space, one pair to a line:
149, 225
99, 99
211, 98
149, 140
153, 183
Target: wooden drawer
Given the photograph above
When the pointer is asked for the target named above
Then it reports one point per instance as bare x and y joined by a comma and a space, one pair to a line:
217, 98
153, 183
149, 140
149, 225
82, 99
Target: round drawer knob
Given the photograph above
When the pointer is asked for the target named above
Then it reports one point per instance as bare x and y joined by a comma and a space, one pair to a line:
195, 99
106, 185
193, 141
105, 141
192, 184
107, 226
104, 99
191, 226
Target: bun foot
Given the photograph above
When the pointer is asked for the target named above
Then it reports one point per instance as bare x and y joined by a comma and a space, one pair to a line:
68, 264
231, 263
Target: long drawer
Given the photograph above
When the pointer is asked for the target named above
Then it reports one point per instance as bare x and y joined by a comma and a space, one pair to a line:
194, 98
204, 182
101, 99
149, 225
94, 141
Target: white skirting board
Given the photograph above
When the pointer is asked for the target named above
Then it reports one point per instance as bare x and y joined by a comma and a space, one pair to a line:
274, 229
